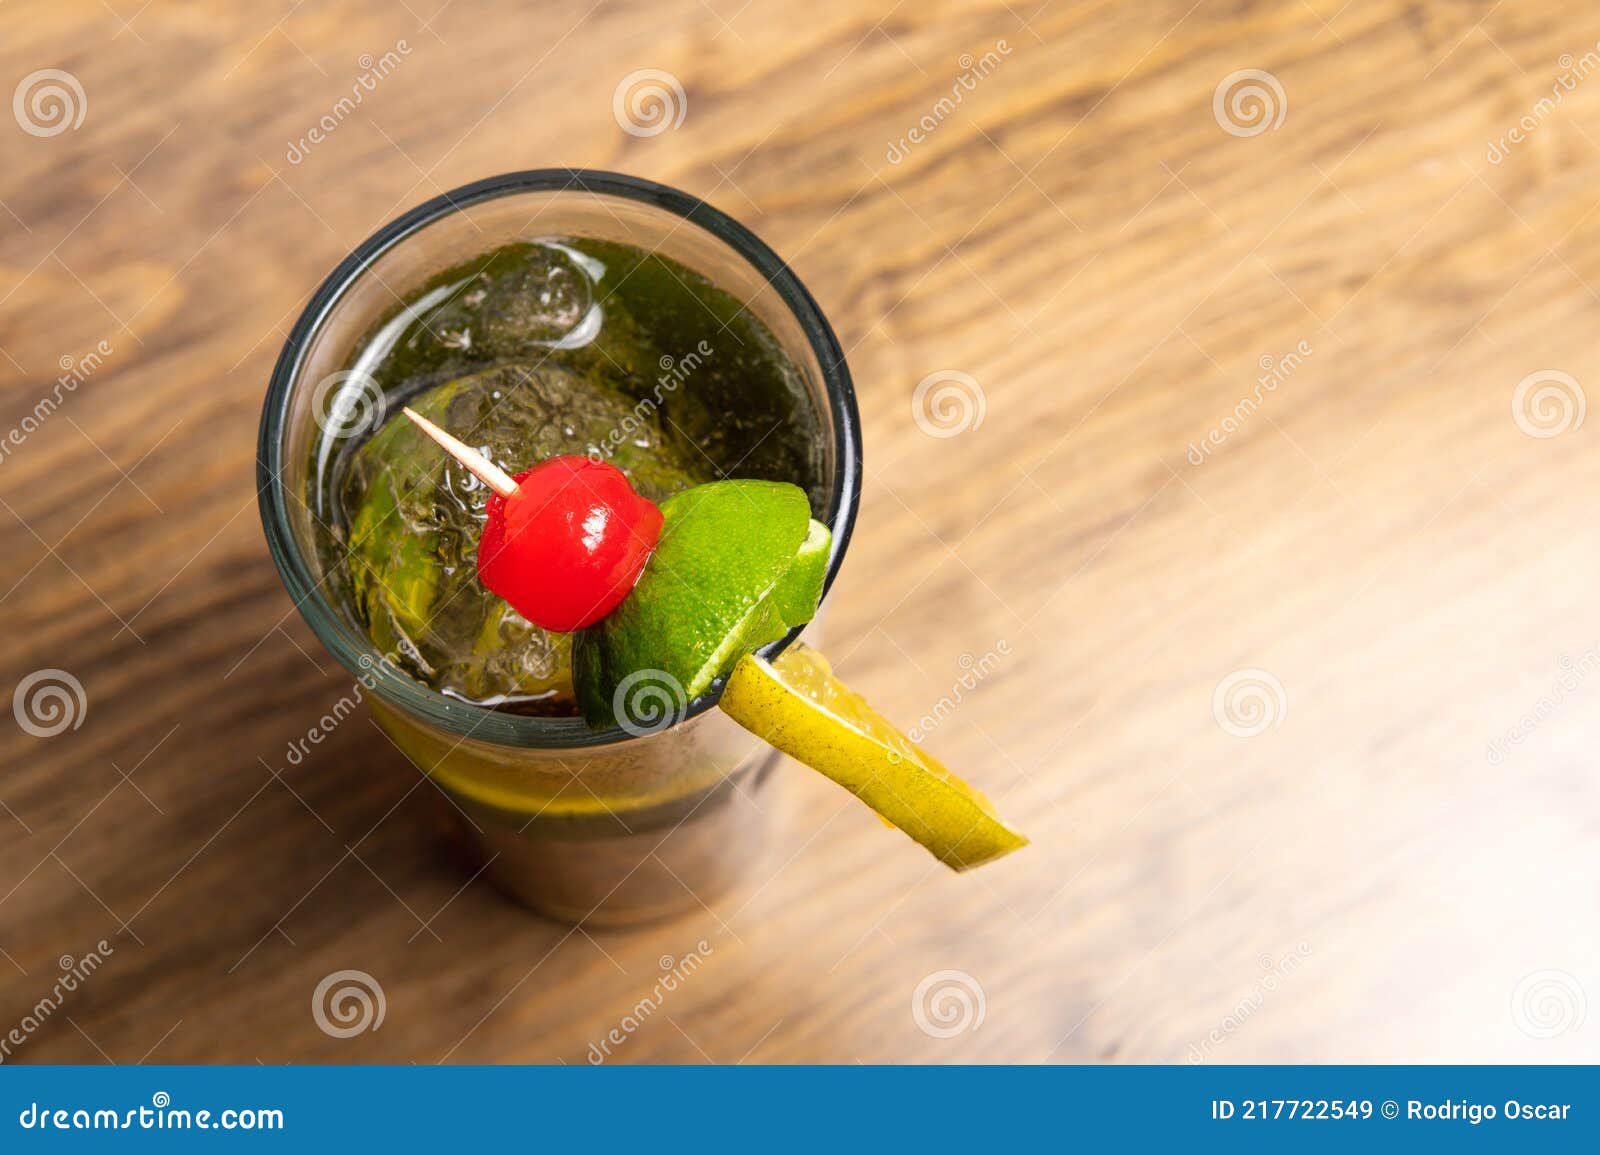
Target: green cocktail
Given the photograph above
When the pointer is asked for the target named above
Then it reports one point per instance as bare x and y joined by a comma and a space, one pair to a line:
530, 349
549, 347
637, 328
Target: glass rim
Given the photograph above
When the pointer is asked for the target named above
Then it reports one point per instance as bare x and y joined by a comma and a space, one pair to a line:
354, 650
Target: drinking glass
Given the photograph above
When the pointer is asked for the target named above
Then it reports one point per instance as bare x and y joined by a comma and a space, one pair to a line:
603, 826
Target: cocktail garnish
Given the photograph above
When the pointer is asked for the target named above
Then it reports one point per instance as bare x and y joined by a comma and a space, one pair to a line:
715, 589
796, 704
564, 541
684, 594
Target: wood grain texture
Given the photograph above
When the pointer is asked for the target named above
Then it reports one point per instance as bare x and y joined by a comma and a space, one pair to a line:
1082, 237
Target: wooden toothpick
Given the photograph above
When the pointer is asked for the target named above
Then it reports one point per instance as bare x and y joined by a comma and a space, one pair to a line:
481, 467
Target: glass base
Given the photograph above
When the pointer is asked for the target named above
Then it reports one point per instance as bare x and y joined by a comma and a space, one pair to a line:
651, 866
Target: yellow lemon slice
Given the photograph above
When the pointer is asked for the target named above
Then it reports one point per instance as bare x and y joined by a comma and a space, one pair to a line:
797, 705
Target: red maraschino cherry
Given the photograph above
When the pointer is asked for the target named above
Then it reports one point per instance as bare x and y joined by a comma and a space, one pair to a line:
569, 544
565, 541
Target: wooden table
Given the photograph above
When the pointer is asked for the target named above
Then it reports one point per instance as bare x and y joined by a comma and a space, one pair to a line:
1260, 388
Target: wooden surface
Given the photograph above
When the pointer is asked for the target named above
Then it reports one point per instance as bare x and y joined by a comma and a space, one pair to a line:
1364, 880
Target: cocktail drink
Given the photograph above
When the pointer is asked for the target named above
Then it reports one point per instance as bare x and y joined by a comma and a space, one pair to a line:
646, 347
540, 348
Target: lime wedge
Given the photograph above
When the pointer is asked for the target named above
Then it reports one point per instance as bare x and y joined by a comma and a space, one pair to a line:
797, 593
394, 573
797, 705
739, 563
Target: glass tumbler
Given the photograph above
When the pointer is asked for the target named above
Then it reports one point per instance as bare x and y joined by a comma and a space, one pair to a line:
606, 827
